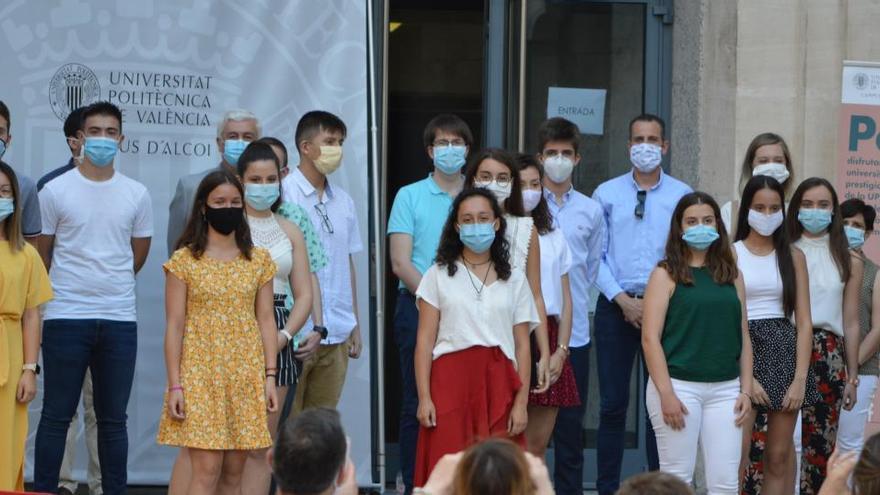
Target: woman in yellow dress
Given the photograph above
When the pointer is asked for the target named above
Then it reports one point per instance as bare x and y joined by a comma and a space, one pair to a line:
24, 286
220, 340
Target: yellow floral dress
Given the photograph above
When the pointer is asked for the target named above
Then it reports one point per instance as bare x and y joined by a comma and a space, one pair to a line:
222, 365
24, 284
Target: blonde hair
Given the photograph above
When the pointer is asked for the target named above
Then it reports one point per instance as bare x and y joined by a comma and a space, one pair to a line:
765, 139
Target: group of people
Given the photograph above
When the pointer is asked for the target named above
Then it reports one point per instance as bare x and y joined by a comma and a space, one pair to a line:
755, 319
261, 307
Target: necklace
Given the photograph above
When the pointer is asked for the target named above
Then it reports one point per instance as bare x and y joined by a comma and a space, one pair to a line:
483, 283
469, 262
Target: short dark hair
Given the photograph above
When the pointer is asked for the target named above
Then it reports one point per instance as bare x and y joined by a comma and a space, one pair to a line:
310, 452
101, 108
450, 123
258, 151
273, 141
74, 122
654, 483
4, 112
854, 206
648, 117
314, 122
558, 129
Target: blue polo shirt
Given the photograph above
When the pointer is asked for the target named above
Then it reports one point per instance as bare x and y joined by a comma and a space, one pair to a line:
420, 210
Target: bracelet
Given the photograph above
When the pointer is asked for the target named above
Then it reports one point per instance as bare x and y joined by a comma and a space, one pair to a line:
287, 335
746, 394
272, 369
564, 348
176, 387
273, 375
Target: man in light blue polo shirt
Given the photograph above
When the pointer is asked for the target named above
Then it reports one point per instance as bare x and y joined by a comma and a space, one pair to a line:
417, 218
637, 207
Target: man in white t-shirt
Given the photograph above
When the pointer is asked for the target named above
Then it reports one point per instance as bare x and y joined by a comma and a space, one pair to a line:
319, 137
97, 227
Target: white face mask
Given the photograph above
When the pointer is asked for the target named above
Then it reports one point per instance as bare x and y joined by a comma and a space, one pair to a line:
531, 198
501, 192
765, 224
776, 170
558, 168
646, 157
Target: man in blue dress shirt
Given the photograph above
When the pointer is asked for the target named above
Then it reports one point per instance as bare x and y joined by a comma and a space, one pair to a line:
637, 208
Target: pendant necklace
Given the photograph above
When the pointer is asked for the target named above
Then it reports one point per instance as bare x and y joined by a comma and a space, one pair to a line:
471, 278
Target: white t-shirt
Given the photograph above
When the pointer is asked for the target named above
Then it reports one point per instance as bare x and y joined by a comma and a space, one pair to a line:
466, 320
93, 223
555, 262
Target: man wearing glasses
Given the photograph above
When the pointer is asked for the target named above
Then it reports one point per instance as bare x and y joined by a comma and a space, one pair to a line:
319, 137
637, 208
414, 227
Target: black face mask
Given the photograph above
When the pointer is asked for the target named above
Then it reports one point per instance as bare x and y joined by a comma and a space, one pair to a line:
224, 220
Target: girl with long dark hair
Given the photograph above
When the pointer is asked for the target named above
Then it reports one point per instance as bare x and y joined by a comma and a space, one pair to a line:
220, 339
777, 288
472, 349
814, 224
696, 345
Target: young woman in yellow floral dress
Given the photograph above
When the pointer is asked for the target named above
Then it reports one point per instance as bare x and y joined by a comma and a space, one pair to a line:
220, 340
24, 286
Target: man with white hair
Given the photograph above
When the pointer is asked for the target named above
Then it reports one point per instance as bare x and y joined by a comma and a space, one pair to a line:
237, 129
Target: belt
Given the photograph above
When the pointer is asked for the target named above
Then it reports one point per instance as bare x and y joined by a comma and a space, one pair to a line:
634, 295
4, 348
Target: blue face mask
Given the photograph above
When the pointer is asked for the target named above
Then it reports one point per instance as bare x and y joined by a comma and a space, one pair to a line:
855, 236
261, 196
100, 150
815, 220
2, 148
478, 237
7, 206
232, 150
700, 237
449, 159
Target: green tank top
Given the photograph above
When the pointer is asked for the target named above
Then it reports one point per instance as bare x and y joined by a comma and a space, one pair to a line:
702, 335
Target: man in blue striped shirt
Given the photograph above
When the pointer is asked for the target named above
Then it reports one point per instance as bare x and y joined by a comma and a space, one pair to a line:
637, 207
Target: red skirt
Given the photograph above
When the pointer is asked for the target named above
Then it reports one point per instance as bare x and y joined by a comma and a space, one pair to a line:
564, 392
473, 392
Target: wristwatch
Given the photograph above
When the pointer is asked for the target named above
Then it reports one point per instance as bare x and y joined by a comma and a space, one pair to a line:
321, 330
31, 367
287, 335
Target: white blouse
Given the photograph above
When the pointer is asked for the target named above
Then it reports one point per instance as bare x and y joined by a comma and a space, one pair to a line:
267, 233
469, 319
555, 262
826, 285
519, 235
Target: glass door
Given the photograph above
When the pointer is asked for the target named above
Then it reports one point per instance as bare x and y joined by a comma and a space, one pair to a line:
623, 49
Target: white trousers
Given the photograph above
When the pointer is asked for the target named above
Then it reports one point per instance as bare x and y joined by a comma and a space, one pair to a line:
851, 430
709, 425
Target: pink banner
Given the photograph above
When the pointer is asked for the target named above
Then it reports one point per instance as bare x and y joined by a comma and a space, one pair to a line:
858, 160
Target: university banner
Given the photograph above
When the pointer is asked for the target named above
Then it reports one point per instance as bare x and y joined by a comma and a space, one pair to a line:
858, 140
174, 67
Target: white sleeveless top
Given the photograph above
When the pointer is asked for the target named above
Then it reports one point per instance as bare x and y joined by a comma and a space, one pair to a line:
762, 282
267, 233
518, 234
826, 286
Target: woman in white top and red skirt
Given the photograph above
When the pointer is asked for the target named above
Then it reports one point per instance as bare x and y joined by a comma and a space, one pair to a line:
472, 353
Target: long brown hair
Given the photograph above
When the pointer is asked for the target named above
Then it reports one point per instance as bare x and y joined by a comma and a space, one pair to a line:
493, 467
195, 236
513, 204
866, 474
12, 227
541, 214
719, 258
765, 139
837, 242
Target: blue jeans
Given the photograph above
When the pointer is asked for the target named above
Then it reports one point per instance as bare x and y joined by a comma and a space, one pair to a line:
617, 344
568, 434
69, 347
406, 323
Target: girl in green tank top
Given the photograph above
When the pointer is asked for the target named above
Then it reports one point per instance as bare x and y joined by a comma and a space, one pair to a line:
697, 348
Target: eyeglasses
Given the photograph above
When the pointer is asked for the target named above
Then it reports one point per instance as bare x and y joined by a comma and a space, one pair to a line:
445, 142
325, 220
640, 206
502, 179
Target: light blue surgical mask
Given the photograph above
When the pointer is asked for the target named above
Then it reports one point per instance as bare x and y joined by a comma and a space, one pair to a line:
478, 237
815, 220
261, 196
855, 236
7, 206
232, 150
700, 237
449, 159
2, 147
100, 150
